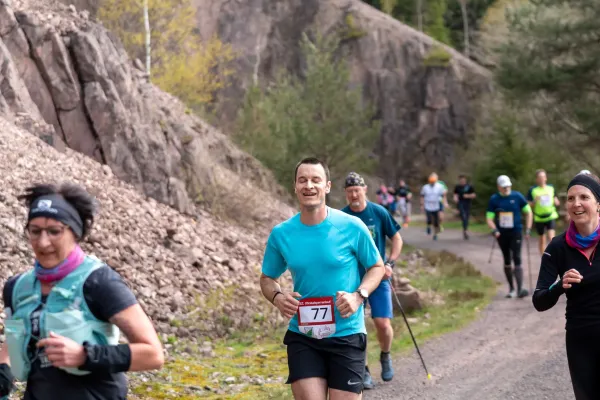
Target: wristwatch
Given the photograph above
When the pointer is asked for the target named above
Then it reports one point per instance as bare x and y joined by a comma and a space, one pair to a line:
363, 293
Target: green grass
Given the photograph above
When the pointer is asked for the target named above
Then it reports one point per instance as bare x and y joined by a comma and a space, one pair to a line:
464, 290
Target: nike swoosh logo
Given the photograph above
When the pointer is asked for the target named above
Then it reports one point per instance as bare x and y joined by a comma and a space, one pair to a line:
350, 383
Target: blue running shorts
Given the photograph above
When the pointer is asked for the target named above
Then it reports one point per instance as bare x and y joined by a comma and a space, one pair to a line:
380, 301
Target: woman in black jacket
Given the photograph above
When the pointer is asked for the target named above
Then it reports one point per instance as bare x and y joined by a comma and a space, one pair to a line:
572, 257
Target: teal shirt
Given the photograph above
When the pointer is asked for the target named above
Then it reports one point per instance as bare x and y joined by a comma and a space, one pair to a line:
379, 221
323, 259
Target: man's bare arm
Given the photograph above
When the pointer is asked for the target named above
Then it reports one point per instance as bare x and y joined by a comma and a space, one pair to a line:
396, 246
269, 287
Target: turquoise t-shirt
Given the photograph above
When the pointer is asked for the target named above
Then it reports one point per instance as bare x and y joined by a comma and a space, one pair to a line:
379, 221
323, 259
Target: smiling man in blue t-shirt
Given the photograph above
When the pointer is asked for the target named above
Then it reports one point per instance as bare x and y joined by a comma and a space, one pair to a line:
324, 249
381, 225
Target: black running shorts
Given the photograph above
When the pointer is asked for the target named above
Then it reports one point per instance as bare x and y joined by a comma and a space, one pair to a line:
339, 360
542, 227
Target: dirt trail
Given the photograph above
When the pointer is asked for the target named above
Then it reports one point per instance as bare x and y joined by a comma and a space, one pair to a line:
510, 352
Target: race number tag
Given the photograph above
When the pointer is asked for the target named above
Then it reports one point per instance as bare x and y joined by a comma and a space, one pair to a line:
432, 205
506, 220
545, 200
316, 317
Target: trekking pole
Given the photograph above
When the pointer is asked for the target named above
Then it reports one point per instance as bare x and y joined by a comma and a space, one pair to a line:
529, 266
409, 330
492, 251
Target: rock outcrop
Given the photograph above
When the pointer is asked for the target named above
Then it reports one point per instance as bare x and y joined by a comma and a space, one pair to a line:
427, 105
69, 81
187, 272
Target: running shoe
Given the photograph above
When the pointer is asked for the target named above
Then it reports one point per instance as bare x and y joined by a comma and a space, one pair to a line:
511, 295
387, 370
523, 293
367, 380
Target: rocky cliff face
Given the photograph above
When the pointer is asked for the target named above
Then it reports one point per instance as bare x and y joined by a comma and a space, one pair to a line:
426, 108
183, 270
69, 81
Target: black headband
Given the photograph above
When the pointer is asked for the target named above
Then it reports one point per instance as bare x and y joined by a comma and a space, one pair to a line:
588, 182
56, 207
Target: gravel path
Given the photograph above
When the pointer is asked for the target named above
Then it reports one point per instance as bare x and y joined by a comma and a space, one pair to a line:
510, 352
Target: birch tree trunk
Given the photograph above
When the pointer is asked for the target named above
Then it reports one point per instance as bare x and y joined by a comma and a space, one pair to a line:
465, 17
148, 43
420, 15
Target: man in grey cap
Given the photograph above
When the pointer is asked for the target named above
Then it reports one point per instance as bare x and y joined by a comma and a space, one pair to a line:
381, 225
504, 219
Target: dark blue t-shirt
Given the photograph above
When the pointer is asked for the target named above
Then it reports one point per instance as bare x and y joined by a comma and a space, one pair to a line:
380, 224
506, 211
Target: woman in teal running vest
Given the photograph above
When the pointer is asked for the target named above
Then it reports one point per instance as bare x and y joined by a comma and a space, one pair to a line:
65, 314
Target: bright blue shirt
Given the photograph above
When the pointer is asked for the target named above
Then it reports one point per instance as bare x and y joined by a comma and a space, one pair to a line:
379, 222
323, 259
510, 206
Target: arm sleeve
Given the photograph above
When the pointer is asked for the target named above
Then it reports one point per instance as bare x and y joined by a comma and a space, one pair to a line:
366, 250
273, 264
548, 289
107, 294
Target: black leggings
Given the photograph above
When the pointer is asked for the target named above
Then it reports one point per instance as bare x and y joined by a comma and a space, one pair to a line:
583, 353
510, 242
465, 211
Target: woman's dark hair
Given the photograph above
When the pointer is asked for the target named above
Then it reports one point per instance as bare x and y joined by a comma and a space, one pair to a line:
85, 204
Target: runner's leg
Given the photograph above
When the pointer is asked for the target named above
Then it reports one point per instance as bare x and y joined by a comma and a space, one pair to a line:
309, 389
408, 211
382, 311
307, 367
540, 228
516, 245
504, 244
436, 222
429, 216
346, 364
551, 231
583, 355
467, 208
335, 394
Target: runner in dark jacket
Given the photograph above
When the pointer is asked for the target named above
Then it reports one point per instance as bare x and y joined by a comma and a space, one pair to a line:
570, 265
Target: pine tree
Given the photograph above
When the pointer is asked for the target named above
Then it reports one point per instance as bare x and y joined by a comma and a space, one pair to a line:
316, 115
551, 64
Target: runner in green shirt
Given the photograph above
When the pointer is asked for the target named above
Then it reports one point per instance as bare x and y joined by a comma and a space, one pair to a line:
543, 202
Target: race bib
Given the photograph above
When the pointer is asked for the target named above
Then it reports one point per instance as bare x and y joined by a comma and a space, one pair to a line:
432, 205
545, 200
316, 317
506, 220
